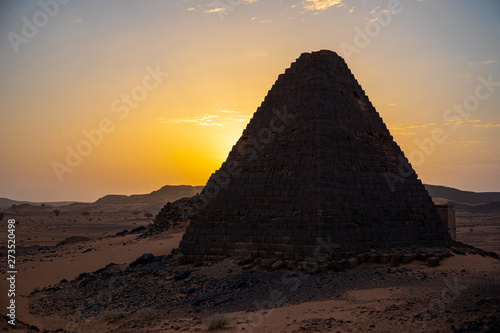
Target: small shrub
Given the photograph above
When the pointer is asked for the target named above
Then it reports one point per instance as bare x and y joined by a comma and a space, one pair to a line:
1, 216
57, 212
85, 213
113, 315
148, 215
36, 289
217, 321
136, 212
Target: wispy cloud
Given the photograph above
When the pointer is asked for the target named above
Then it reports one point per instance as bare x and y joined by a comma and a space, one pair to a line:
496, 124
73, 19
482, 62
226, 7
404, 133
461, 121
400, 127
321, 4
226, 117
214, 10
203, 120
463, 143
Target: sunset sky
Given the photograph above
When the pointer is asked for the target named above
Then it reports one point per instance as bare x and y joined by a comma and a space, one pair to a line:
170, 85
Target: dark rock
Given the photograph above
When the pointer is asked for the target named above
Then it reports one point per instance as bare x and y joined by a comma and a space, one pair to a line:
145, 258
199, 301
182, 276
138, 230
122, 233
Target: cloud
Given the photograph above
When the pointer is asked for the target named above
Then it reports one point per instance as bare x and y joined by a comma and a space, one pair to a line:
215, 10
482, 62
461, 121
400, 127
352, 10
496, 124
463, 143
321, 4
190, 9
210, 124
73, 19
404, 133
203, 120
227, 117
227, 8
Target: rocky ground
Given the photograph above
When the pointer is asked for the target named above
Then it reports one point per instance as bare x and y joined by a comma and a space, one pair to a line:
68, 284
156, 294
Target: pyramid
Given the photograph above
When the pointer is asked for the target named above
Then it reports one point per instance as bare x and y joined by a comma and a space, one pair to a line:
315, 164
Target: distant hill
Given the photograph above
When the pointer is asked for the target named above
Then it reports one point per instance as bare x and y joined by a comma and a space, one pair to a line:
8, 203
458, 196
165, 194
488, 201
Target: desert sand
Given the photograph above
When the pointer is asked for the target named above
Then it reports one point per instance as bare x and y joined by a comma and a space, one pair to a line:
374, 297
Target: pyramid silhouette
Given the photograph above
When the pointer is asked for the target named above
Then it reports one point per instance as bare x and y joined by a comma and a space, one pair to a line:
316, 163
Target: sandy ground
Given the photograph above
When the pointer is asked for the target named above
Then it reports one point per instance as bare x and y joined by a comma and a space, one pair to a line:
388, 309
67, 262
479, 230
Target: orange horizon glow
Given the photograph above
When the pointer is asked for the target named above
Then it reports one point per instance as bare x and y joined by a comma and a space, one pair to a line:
96, 69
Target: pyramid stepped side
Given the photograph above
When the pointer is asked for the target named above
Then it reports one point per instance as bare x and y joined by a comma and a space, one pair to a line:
310, 165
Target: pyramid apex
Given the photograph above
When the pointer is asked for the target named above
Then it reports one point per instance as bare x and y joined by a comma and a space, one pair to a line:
320, 53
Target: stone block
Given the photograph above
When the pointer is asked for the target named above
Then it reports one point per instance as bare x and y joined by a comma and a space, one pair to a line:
278, 264
407, 258
372, 258
352, 262
384, 258
433, 261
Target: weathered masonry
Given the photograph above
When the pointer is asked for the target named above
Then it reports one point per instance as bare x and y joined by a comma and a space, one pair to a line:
311, 167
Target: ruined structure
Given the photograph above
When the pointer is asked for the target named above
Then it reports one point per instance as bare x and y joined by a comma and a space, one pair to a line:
315, 164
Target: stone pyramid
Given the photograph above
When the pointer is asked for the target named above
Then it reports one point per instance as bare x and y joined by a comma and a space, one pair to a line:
316, 163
